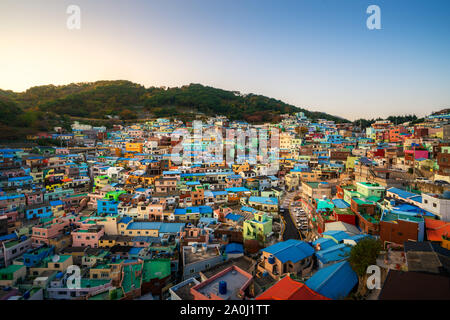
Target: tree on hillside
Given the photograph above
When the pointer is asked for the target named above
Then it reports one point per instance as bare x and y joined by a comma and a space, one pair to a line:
364, 254
127, 114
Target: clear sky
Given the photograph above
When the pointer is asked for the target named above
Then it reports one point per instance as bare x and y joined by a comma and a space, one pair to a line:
316, 54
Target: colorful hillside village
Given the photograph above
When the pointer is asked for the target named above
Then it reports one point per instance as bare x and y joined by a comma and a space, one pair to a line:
109, 215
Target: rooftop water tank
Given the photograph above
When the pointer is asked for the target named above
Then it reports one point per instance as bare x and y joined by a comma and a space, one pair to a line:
271, 259
222, 287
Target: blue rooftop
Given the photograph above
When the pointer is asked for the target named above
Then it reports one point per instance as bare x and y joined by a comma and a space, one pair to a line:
340, 204
135, 250
12, 196
335, 281
324, 243
234, 248
8, 236
234, 217
20, 178
219, 193
338, 235
56, 203
401, 193
248, 209
237, 189
125, 220
335, 253
199, 209
290, 250
208, 220
264, 200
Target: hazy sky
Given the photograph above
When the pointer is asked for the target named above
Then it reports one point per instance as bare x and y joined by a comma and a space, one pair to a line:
316, 54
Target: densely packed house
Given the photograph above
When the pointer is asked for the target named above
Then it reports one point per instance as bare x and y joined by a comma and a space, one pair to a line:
150, 211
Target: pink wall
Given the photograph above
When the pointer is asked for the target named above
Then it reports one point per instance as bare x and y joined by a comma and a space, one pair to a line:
418, 153
86, 238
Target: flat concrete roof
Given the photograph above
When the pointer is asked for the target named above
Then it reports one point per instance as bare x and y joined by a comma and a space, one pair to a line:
235, 281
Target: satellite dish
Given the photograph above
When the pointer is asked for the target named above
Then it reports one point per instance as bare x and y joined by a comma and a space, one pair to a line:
55, 258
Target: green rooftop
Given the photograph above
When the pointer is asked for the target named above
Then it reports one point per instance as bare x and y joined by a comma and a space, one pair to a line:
371, 185
362, 201
373, 199
89, 283
10, 244
369, 218
156, 269
344, 211
11, 269
129, 279
388, 217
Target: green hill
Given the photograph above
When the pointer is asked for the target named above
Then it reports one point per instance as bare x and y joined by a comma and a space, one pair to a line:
43, 107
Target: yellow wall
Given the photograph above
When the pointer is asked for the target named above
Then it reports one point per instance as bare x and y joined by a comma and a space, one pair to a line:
134, 147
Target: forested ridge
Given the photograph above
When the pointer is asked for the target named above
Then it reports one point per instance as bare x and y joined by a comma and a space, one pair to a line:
43, 107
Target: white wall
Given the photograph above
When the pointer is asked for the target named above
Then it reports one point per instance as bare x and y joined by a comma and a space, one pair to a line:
438, 206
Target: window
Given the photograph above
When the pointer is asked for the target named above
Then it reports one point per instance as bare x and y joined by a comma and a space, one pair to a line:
434, 205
